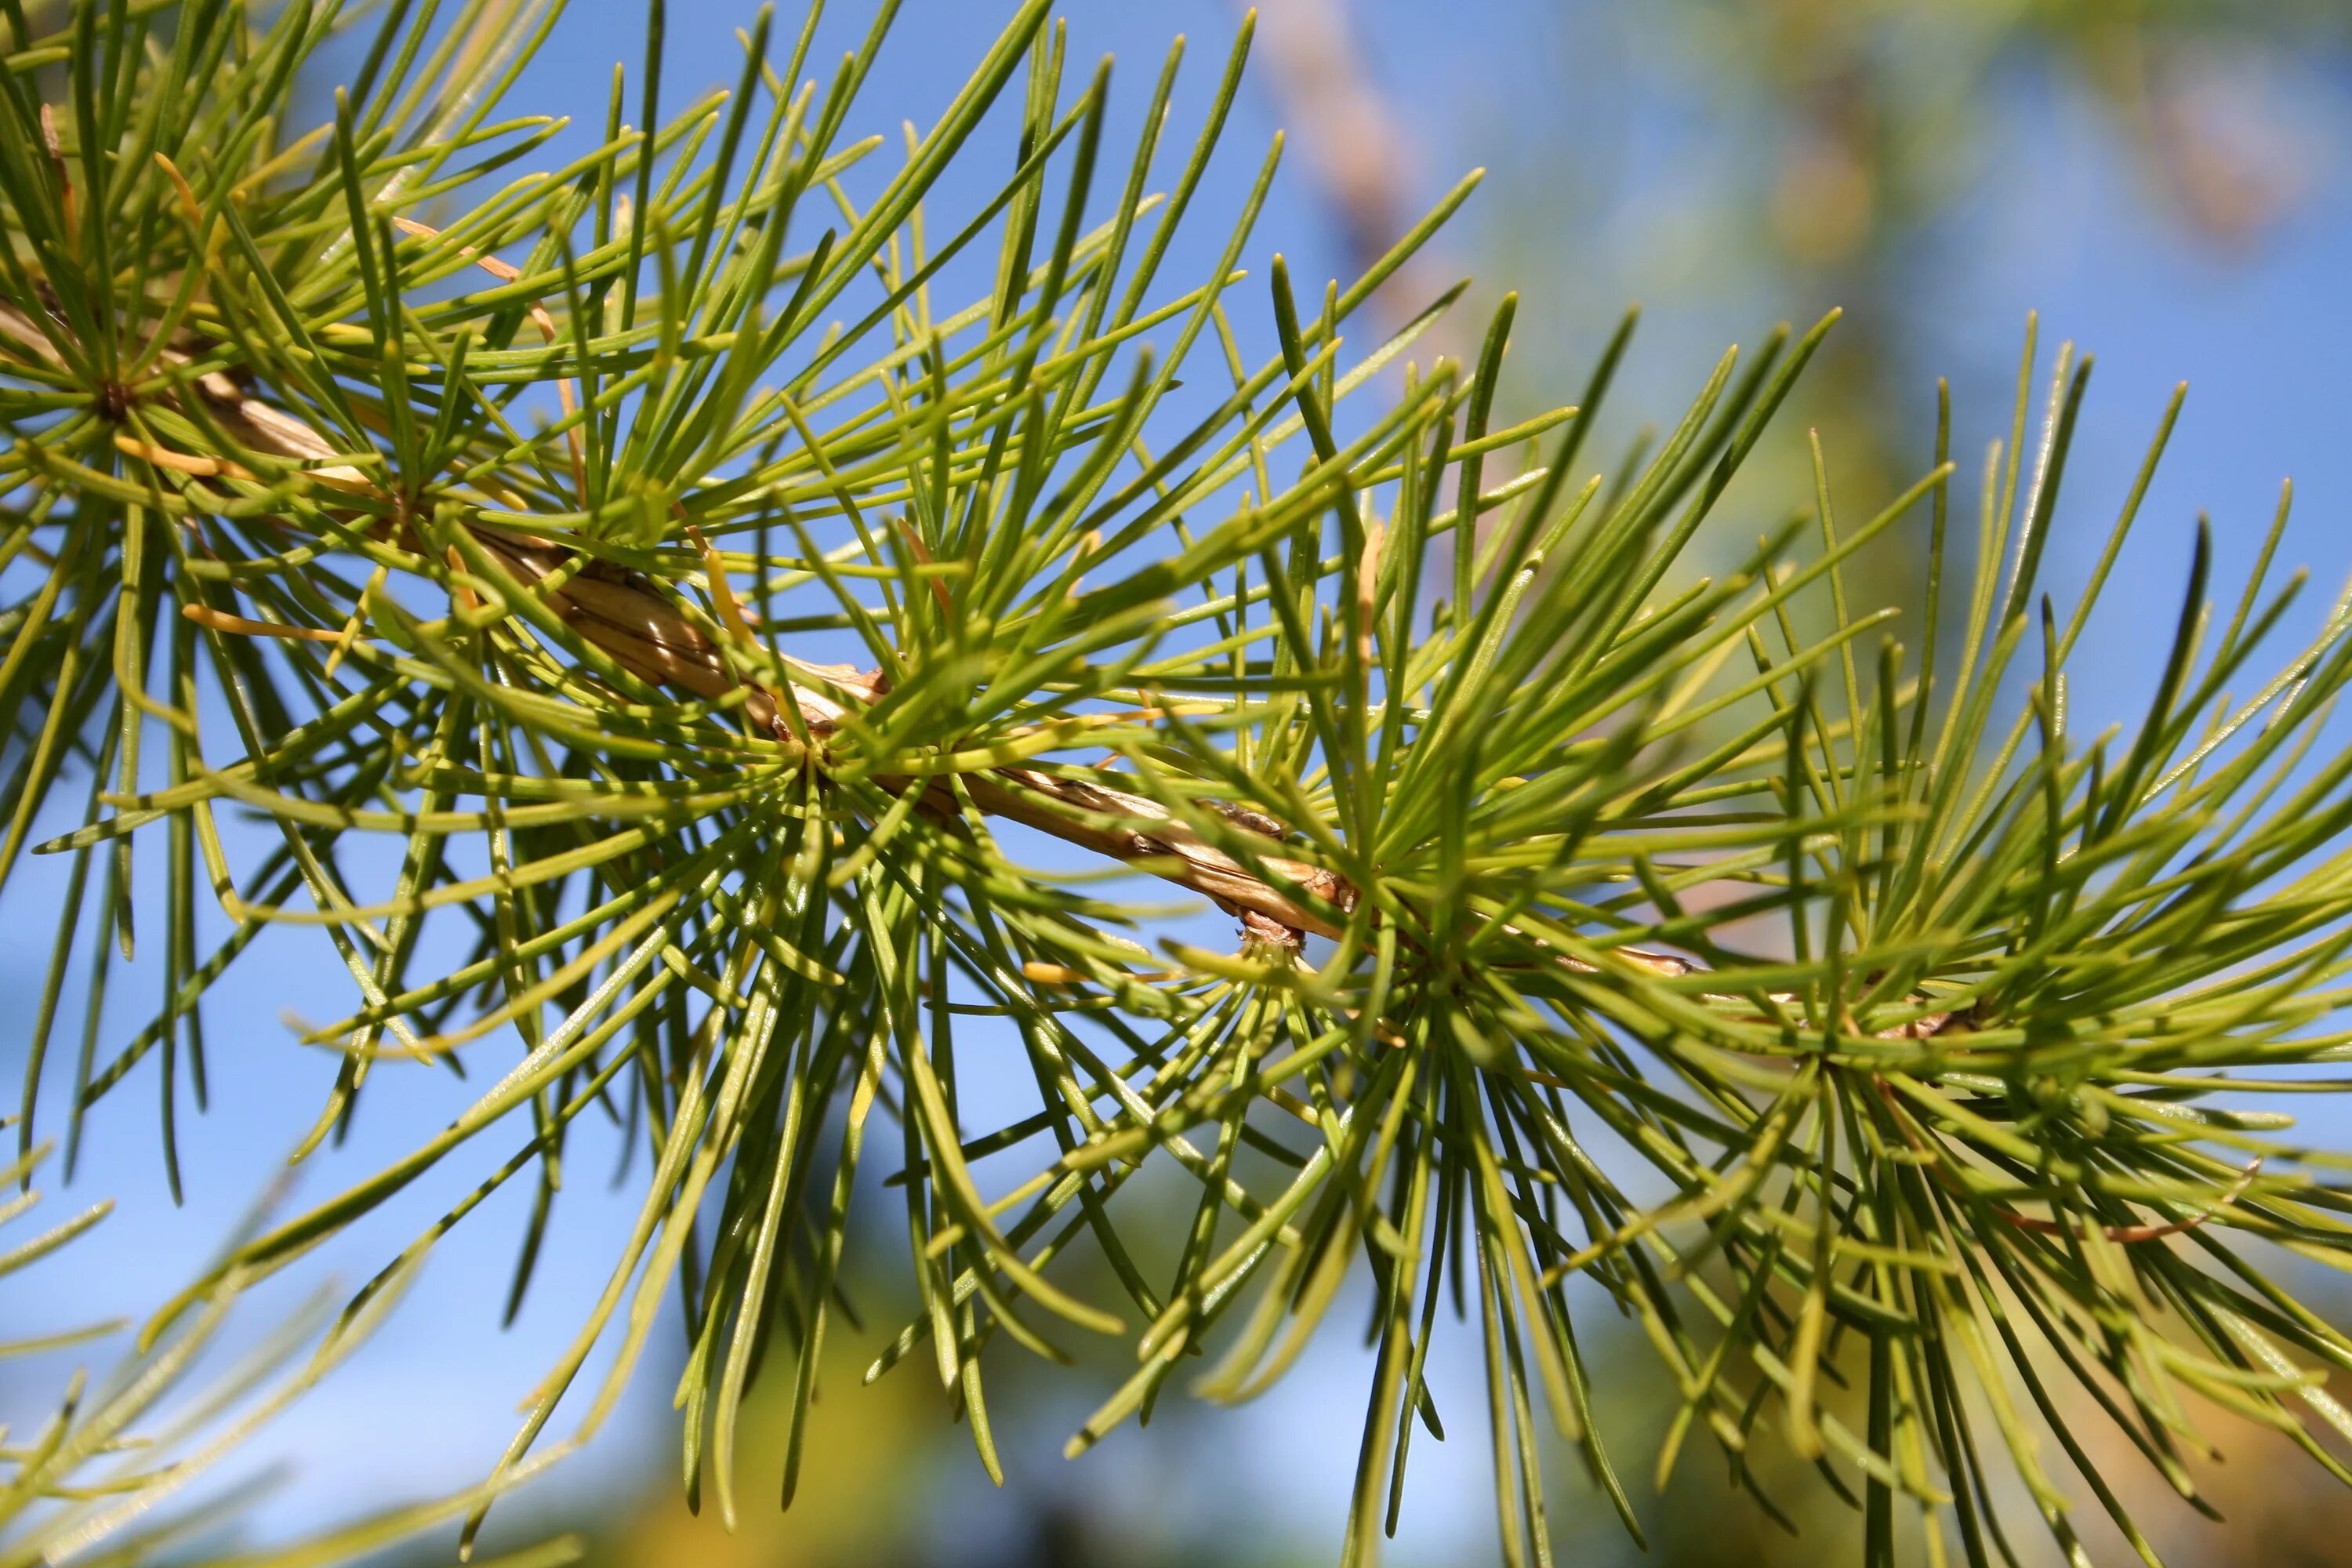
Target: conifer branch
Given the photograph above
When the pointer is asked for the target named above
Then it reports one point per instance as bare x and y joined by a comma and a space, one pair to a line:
687, 597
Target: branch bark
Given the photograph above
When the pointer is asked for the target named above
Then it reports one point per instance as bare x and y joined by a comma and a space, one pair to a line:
626, 616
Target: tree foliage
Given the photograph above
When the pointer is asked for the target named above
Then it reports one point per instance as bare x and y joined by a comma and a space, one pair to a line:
1608, 942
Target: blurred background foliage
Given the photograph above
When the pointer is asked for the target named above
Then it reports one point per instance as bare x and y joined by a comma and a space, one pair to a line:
1728, 163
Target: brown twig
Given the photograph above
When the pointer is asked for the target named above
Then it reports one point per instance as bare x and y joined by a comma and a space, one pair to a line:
626, 615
